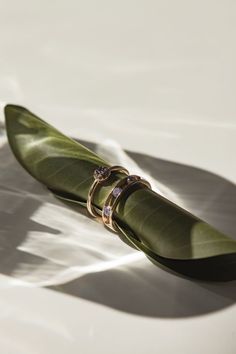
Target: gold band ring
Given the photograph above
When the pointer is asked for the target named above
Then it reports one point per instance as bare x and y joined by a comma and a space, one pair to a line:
101, 174
114, 197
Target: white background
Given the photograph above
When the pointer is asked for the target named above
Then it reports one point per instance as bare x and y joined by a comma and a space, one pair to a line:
158, 77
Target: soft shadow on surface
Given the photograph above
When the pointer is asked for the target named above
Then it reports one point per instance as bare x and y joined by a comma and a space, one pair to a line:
45, 243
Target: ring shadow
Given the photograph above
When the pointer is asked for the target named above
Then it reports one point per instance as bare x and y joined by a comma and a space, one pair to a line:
139, 288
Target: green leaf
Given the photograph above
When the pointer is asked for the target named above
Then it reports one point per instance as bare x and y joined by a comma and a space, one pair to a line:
166, 233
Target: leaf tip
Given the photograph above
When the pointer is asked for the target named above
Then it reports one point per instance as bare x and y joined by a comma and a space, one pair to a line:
12, 110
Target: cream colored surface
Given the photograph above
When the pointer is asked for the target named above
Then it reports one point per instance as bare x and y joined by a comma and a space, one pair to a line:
158, 77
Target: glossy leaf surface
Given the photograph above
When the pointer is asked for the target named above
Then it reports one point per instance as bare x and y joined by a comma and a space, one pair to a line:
167, 233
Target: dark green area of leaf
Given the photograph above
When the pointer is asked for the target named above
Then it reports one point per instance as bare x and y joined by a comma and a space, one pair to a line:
166, 233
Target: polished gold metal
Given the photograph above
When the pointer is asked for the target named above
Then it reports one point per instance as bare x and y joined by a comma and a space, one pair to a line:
114, 197
101, 174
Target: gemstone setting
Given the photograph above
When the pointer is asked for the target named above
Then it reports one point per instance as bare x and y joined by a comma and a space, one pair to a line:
132, 178
107, 210
116, 191
101, 173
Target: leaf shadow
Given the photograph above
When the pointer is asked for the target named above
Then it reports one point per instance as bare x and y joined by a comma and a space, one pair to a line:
140, 287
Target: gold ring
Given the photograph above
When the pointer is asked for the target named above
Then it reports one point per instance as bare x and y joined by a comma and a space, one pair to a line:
114, 197
101, 174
